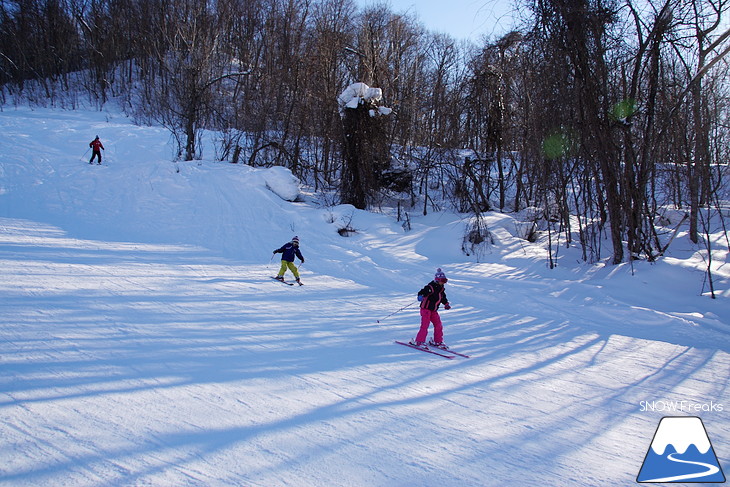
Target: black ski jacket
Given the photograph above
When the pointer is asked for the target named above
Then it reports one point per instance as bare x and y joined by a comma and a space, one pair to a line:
433, 295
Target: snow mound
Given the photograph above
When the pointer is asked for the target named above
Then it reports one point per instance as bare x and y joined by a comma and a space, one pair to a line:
282, 182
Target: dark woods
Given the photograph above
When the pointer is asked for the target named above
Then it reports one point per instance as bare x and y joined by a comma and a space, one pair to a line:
591, 115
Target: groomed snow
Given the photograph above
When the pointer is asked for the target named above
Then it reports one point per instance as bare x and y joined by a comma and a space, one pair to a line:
144, 343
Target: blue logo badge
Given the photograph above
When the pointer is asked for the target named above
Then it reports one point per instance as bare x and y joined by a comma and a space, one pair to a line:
681, 452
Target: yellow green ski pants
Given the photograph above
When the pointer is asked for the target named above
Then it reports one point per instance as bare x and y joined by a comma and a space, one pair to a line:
290, 265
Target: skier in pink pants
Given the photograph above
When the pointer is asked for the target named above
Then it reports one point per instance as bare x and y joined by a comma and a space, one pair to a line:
431, 297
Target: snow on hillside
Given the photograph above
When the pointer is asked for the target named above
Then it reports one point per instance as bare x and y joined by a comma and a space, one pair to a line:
144, 343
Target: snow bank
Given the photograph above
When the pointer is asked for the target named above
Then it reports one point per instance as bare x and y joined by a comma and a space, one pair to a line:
282, 182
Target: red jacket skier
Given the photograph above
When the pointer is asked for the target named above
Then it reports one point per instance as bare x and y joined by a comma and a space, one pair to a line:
431, 297
96, 147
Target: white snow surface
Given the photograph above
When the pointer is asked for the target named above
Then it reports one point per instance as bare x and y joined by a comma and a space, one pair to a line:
144, 343
282, 182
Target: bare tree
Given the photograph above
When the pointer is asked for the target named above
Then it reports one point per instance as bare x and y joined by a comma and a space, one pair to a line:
365, 150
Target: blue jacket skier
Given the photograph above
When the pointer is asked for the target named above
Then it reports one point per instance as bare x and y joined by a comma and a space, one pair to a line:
288, 252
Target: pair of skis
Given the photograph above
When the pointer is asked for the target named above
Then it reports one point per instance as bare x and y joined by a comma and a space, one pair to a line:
440, 351
286, 282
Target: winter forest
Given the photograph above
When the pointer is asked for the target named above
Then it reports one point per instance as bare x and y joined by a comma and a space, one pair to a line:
595, 114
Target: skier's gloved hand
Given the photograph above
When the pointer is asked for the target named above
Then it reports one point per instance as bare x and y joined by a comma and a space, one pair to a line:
447, 306
420, 298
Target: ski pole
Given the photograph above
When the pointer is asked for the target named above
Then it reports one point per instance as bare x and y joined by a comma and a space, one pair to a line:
398, 311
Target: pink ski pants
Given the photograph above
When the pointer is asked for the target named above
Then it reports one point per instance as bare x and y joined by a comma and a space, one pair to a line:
428, 317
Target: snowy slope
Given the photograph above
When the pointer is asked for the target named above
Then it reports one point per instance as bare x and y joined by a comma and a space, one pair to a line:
143, 342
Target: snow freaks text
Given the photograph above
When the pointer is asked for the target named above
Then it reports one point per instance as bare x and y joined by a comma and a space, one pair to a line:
679, 407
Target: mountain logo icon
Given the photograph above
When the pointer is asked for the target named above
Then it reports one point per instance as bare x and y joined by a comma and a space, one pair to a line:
681, 452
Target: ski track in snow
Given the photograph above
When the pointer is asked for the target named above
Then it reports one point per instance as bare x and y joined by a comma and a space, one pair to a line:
144, 343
